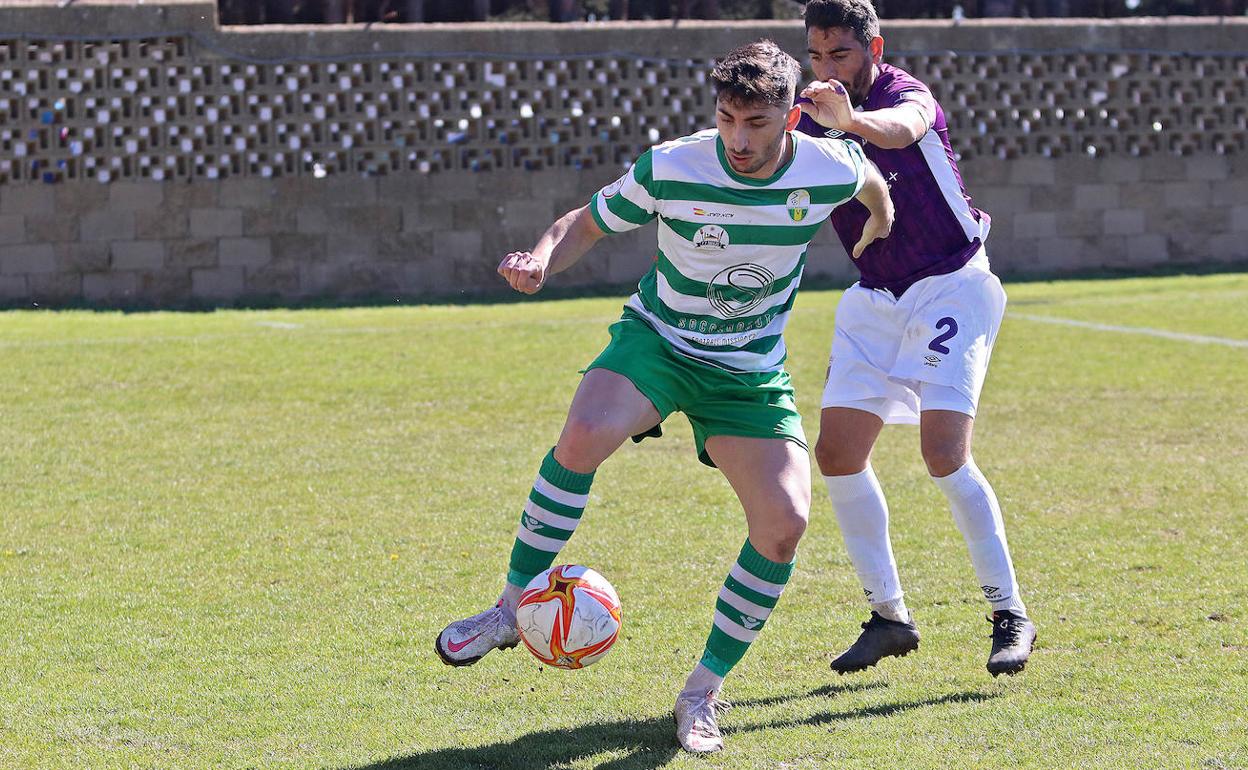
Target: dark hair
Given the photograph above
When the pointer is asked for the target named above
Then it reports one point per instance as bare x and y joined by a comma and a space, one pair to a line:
757, 73
858, 15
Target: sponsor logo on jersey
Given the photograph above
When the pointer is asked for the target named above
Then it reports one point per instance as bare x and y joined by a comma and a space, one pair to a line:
710, 237
737, 290
798, 204
699, 212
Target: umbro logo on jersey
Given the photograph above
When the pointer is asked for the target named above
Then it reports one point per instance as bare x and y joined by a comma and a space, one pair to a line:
834, 133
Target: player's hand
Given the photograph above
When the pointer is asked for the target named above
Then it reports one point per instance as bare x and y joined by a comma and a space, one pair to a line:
525, 273
828, 104
876, 228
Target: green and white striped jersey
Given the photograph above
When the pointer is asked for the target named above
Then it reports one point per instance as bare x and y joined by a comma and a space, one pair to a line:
731, 248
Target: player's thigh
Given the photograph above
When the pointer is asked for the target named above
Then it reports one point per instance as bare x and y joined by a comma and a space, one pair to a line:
771, 477
846, 438
606, 410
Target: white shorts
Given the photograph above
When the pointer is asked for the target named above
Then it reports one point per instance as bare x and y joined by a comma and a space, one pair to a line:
928, 350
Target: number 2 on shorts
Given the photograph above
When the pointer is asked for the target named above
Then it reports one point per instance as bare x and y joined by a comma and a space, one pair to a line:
951, 328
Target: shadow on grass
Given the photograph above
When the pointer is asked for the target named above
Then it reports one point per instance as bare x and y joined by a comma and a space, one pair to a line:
645, 743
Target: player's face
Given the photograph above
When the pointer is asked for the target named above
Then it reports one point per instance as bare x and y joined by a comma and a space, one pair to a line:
753, 135
835, 54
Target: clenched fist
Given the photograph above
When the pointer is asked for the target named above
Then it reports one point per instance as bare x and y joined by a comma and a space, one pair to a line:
525, 273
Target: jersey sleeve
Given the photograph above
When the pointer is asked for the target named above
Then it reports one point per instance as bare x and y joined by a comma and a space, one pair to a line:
627, 203
858, 159
843, 171
909, 92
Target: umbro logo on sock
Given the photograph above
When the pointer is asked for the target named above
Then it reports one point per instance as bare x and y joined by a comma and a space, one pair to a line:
750, 623
867, 591
990, 590
531, 524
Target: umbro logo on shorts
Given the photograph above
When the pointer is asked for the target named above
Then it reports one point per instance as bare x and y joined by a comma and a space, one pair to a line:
931, 360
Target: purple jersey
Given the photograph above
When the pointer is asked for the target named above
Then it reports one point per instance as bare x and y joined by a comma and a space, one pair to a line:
936, 230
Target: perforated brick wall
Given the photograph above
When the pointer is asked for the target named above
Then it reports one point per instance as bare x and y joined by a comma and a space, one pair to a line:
148, 157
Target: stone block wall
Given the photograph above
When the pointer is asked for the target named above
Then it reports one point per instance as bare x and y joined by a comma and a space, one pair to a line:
152, 158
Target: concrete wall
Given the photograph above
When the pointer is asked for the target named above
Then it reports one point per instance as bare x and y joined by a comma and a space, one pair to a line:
150, 158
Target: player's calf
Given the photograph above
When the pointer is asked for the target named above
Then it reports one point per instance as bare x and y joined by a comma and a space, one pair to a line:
880, 638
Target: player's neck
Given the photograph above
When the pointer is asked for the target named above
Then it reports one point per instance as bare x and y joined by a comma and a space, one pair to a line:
786, 152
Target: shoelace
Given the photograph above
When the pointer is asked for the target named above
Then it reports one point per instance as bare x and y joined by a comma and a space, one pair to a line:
1007, 631
703, 723
704, 726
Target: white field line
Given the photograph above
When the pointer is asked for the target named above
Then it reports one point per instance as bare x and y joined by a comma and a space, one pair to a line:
1142, 330
278, 326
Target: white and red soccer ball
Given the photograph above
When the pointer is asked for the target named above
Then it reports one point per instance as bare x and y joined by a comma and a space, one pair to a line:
568, 616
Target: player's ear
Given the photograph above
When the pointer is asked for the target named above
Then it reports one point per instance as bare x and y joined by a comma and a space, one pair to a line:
795, 115
877, 49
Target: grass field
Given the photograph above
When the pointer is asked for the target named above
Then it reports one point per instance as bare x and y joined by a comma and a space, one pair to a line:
229, 539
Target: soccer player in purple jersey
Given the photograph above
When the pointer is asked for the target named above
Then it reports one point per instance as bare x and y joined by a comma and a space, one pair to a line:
913, 336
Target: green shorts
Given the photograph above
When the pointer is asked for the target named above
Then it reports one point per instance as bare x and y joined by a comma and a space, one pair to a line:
717, 402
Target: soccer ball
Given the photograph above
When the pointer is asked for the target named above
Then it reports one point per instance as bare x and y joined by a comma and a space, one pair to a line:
568, 616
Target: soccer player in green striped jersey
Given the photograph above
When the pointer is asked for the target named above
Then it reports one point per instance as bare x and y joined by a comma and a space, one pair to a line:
736, 207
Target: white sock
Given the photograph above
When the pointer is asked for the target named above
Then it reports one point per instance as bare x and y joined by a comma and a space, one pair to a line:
863, 516
978, 516
703, 680
894, 610
511, 598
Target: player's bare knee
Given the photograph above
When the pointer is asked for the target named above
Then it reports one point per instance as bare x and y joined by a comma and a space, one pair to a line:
581, 444
779, 538
836, 459
944, 459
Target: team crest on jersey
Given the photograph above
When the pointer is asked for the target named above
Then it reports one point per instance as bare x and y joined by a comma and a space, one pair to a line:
799, 205
710, 237
739, 289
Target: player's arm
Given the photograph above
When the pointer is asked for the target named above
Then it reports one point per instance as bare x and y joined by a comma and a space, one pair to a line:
874, 195
563, 243
889, 128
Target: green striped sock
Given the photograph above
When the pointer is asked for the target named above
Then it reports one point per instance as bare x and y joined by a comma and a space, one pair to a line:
750, 593
551, 514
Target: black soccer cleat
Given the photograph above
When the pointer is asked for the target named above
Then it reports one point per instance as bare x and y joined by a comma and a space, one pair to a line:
879, 639
1013, 636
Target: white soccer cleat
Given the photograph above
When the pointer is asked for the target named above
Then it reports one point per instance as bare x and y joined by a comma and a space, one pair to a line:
697, 726
466, 641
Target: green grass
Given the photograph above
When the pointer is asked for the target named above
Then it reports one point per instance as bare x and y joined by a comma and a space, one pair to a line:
229, 539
